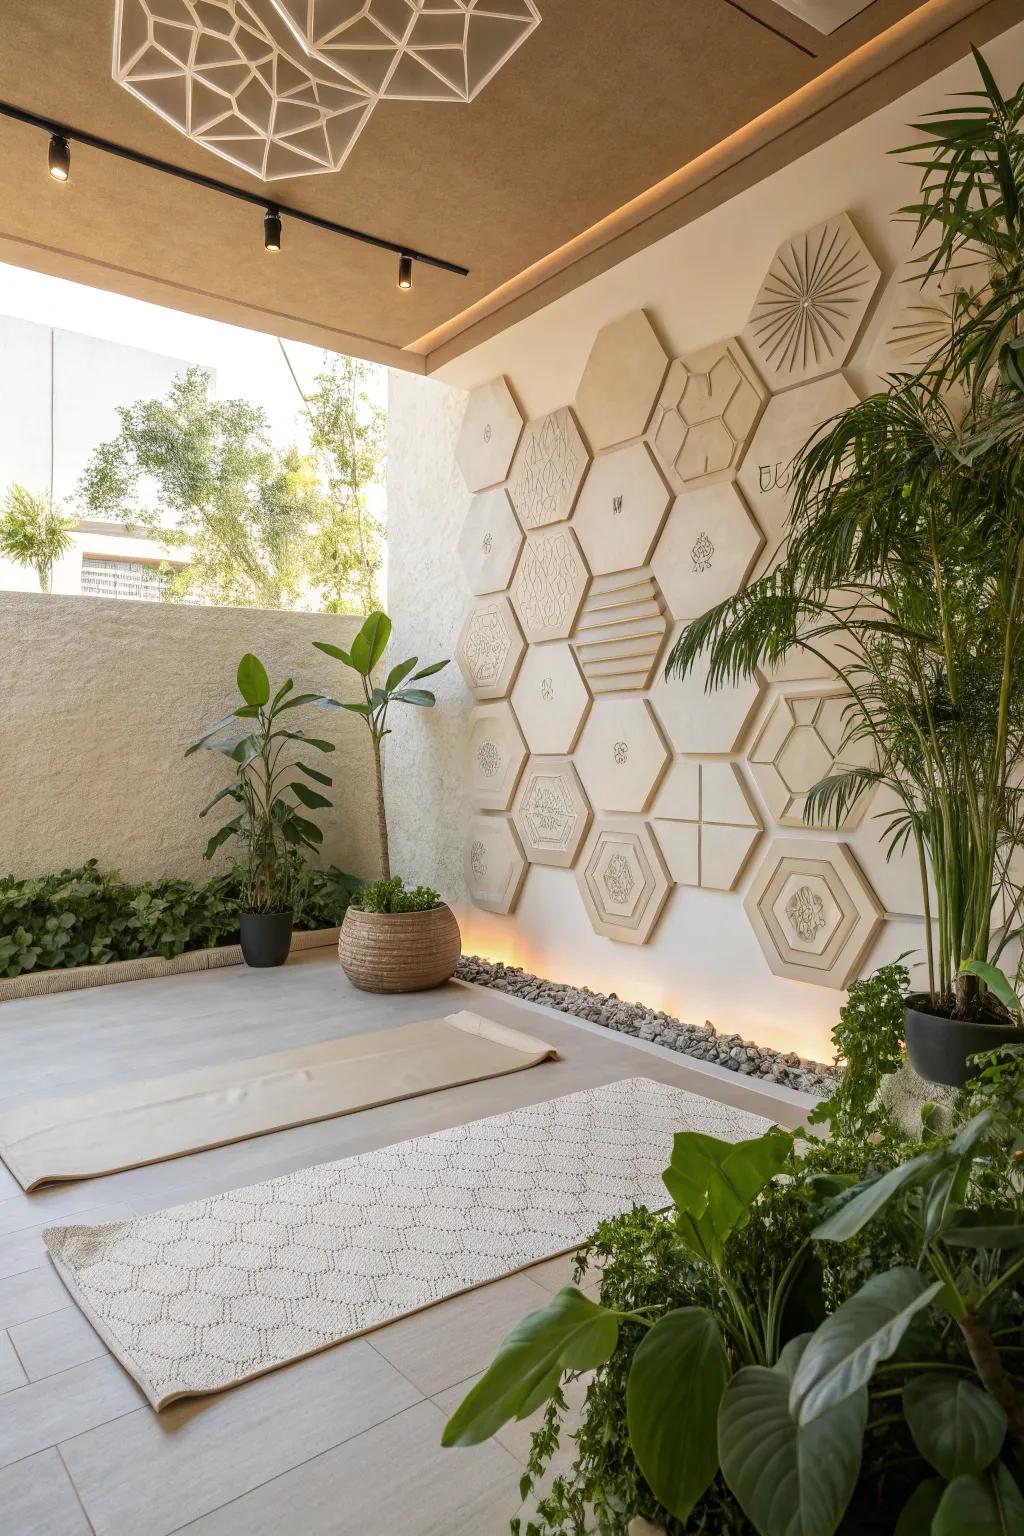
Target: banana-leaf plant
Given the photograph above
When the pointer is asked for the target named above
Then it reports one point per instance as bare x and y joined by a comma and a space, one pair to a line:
721, 1391
268, 787
368, 647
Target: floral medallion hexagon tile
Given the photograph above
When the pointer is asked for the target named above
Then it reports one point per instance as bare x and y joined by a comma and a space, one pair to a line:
551, 812
495, 754
813, 911
490, 647
622, 878
495, 864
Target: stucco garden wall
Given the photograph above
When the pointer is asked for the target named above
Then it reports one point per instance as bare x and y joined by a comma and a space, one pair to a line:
100, 700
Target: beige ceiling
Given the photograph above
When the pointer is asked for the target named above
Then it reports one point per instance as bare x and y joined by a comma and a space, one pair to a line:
616, 121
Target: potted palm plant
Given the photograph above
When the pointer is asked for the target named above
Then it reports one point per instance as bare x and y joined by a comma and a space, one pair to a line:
392, 939
271, 828
905, 559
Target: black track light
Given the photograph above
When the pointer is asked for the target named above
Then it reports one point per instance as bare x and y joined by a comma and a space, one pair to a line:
404, 271
59, 157
272, 230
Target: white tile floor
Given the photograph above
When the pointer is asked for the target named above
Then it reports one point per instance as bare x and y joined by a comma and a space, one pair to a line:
343, 1444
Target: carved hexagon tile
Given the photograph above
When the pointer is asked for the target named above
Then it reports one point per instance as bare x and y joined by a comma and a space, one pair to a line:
550, 699
707, 409
705, 823
490, 647
707, 549
490, 542
495, 864
812, 910
495, 754
801, 742
549, 584
548, 470
789, 421
620, 382
623, 880
620, 510
621, 755
488, 435
806, 317
696, 721
551, 812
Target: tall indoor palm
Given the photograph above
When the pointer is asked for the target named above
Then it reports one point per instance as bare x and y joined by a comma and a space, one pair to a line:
905, 559
34, 531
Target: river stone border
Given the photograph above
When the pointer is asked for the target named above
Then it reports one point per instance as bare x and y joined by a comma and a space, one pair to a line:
700, 1040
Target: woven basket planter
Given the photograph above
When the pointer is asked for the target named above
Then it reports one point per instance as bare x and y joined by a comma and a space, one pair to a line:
399, 951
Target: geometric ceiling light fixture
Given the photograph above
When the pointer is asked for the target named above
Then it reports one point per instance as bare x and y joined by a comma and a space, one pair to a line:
284, 88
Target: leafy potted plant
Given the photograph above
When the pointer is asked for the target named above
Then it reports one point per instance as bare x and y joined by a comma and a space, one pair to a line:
271, 828
392, 939
905, 562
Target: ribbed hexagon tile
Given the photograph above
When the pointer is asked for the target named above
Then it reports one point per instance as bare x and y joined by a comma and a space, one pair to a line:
488, 435
623, 880
495, 754
697, 721
806, 317
495, 864
621, 507
548, 469
707, 549
550, 698
705, 414
789, 422
812, 910
490, 542
705, 823
621, 755
619, 631
620, 382
549, 584
800, 743
490, 647
551, 812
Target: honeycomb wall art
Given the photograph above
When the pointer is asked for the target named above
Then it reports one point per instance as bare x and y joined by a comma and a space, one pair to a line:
614, 523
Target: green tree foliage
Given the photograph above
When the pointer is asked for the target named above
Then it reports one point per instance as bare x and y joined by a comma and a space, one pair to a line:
347, 435
34, 531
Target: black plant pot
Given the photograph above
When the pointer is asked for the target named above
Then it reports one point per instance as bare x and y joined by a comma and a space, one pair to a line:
938, 1048
266, 937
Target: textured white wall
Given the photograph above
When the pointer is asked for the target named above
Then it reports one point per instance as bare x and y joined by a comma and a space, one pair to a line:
100, 700
697, 286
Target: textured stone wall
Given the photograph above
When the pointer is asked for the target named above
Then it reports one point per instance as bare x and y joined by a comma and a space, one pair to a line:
427, 797
101, 698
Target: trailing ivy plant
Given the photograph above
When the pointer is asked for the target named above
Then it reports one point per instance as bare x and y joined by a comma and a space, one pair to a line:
869, 1046
267, 756
742, 1394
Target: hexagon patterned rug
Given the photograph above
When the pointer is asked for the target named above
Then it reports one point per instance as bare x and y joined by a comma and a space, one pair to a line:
212, 1293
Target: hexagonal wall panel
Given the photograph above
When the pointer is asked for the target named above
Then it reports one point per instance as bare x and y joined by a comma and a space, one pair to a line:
788, 423
551, 812
623, 880
620, 509
488, 435
707, 549
495, 754
550, 699
621, 755
619, 632
490, 647
696, 721
549, 584
620, 382
799, 744
705, 823
897, 880
813, 912
548, 469
490, 542
706, 411
494, 863
806, 317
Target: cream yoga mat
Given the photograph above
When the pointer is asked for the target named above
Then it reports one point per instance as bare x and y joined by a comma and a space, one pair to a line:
210, 1294
54, 1140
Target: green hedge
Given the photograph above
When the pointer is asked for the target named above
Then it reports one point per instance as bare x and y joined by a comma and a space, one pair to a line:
89, 916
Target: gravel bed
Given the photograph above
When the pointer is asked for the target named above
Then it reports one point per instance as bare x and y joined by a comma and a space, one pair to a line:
700, 1040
